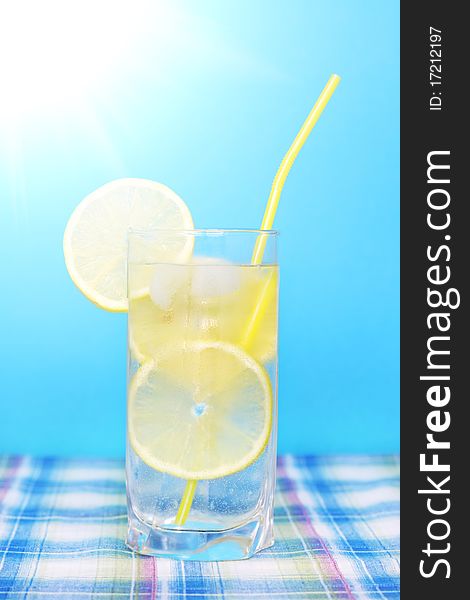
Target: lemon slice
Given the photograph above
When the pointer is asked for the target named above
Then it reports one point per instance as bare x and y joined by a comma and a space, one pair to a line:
220, 317
200, 411
95, 238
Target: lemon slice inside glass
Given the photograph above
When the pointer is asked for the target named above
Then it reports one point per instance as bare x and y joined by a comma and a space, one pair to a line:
203, 318
200, 411
95, 238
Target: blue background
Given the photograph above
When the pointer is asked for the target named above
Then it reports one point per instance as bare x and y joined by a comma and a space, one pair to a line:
210, 113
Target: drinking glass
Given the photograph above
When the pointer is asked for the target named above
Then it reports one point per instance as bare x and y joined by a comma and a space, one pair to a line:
202, 392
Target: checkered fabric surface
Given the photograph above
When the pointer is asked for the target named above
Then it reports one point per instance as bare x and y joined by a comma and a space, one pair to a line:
63, 522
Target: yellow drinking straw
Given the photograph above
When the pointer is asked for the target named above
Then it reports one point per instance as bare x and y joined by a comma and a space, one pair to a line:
257, 257
288, 161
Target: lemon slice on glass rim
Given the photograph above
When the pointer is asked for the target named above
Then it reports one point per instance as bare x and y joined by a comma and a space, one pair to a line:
95, 238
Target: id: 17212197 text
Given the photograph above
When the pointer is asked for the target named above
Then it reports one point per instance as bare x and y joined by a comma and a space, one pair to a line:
435, 68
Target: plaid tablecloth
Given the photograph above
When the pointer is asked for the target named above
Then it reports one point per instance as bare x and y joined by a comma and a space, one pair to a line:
62, 525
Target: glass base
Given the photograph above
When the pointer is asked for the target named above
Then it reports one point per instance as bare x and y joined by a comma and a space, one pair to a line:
236, 543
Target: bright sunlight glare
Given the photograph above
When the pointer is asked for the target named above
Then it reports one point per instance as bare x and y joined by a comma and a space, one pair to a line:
54, 52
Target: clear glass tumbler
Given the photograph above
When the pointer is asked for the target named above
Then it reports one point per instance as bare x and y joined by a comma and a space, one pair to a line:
202, 392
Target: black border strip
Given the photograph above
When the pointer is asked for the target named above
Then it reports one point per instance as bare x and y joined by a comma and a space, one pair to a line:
435, 259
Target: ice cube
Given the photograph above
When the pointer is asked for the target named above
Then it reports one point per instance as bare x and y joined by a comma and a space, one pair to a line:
213, 277
165, 283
